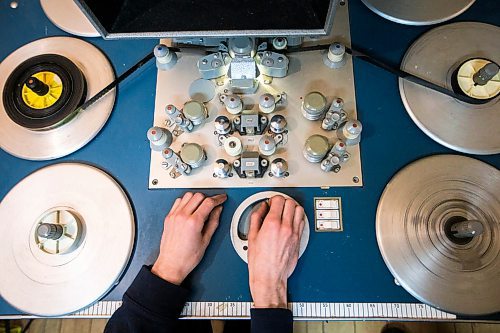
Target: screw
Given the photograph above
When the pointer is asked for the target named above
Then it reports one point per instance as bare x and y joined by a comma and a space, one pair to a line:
155, 182
355, 179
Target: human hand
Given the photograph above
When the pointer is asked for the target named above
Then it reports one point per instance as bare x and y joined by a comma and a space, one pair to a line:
273, 250
187, 231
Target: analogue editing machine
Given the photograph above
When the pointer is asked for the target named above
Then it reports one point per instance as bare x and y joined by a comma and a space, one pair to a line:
256, 100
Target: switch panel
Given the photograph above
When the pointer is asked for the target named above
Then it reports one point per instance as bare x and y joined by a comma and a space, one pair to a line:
328, 214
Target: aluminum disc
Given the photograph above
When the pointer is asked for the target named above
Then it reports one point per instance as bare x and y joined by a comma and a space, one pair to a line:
52, 281
242, 214
61, 141
435, 56
67, 16
413, 217
418, 12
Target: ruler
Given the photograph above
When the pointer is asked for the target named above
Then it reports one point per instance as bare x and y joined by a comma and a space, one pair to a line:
301, 311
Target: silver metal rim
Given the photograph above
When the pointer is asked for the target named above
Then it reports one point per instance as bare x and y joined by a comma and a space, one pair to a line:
410, 225
66, 15
71, 281
240, 244
422, 12
66, 139
466, 128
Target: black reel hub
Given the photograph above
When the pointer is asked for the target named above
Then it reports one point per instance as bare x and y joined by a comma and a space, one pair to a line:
44, 91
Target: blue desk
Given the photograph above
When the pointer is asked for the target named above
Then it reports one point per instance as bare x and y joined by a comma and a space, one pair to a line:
336, 267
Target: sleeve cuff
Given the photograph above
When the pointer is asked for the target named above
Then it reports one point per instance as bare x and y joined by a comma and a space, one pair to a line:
156, 295
272, 320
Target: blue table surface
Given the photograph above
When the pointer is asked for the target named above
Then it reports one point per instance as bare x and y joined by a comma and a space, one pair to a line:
336, 267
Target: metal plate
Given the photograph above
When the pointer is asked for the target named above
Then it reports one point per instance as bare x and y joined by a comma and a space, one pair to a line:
307, 73
418, 12
45, 285
435, 56
61, 141
66, 15
240, 245
411, 218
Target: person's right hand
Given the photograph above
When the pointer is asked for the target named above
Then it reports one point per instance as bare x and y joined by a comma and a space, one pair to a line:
273, 250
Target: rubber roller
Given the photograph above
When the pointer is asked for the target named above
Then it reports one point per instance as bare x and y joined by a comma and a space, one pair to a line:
233, 146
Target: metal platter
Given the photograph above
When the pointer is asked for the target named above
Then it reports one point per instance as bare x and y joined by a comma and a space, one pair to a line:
65, 139
242, 216
435, 57
416, 212
66, 15
422, 12
49, 277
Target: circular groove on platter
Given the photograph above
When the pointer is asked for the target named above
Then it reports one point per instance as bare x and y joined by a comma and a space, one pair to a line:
56, 142
436, 56
52, 274
415, 214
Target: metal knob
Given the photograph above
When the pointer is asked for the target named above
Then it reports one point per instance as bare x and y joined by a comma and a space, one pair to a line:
350, 132
49, 231
278, 124
267, 103
37, 86
316, 148
279, 168
195, 111
335, 56
467, 229
193, 155
165, 59
222, 125
314, 105
159, 138
222, 169
233, 104
267, 145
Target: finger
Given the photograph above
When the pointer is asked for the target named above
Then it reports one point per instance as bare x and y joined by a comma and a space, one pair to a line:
185, 199
207, 206
299, 220
176, 204
194, 203
289, 212
276, 208
211, 225
256, 219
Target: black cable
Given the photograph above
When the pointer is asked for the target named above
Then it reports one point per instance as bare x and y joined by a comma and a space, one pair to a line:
113, 84
27, 327
393, 70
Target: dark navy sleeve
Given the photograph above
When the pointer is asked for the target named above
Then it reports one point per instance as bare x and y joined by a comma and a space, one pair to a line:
271, 321
150, 304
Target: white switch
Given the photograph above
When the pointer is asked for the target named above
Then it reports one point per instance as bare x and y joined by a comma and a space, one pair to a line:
327, 204
327, 214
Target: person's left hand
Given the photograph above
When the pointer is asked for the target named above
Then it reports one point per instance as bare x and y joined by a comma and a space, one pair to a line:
187, 231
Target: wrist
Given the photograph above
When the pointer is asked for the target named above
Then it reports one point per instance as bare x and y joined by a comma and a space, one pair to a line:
168, 273
269, 296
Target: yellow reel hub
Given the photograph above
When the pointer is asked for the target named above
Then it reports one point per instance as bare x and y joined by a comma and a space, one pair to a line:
35, 101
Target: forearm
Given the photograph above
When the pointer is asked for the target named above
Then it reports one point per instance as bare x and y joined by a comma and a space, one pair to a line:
272, 321
151, 304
